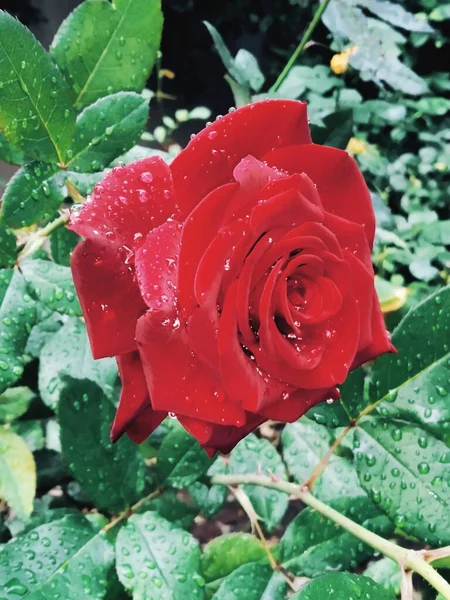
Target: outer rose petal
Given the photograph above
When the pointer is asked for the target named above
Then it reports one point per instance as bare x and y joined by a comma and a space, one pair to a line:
134, 414
340, 183
128, 203
381, 342
209, 159
219, 438
109, 297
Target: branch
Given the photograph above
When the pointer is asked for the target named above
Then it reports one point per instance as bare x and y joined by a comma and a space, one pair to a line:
409, 560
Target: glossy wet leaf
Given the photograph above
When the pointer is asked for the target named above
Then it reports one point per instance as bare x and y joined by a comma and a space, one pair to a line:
105, 47
112, 475
63, 559
343, 585
170, 507
52, 285
17, 316
181, 460
305, 443
67, 352
8, 247
222, 555
210, 498
17, 473
253, 581
62, 243
312, 544
254, 455
33, 194
387, 573
36, 111
414, 384
155, 559
14, 403
10, 153
405, 471
106, 129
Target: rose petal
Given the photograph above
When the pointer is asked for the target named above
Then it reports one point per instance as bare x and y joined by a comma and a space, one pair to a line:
109, 297
381, 341
339, 181
209, 159
134, 414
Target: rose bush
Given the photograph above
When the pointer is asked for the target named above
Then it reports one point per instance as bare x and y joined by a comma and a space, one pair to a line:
234, 285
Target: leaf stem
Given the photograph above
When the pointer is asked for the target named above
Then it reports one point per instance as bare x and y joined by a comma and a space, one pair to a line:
302, 44
130, 511
36, 240
409, 560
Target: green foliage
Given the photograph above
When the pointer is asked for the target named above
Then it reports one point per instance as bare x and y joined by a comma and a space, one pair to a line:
103, 48
82, 518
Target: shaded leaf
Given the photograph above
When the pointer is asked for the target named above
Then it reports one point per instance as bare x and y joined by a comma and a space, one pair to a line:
36, 111
62, 243
170, 507
104, 48
180, 459
387, 573
222, 555
17, 473
210, 498
111, 475
68, 352
8, 247
10, 153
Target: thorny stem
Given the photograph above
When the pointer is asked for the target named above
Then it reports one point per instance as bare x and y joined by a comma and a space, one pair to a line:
319, 468
130, 511
409, 560
36, 240
302, 44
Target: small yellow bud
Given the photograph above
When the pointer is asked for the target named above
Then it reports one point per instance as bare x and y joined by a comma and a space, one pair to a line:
440, 166
167, 73
356, 146
339, 63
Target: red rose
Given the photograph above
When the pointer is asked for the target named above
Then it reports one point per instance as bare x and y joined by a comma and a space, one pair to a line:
234, 285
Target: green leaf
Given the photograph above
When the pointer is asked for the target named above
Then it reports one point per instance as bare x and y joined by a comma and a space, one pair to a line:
104, 48
9, 153
353, 398
14, 402
32, 433
252, 581
224, 554
404, 470
64, 559
111, 475
33, 194
8, 247
181, 460
396, 15
41, 333
170, 507
17, 473
343, 585
305, 443
68, 352
17, 316
254, 455
106, 129
312, 544
337, 129
414, 383
84, 182
248, 65
209, 499
5, 279
387, 573
62, 244
52, 285
440, 13
157, 560
36, 111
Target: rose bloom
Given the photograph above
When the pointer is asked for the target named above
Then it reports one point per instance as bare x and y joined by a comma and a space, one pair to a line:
235, 285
